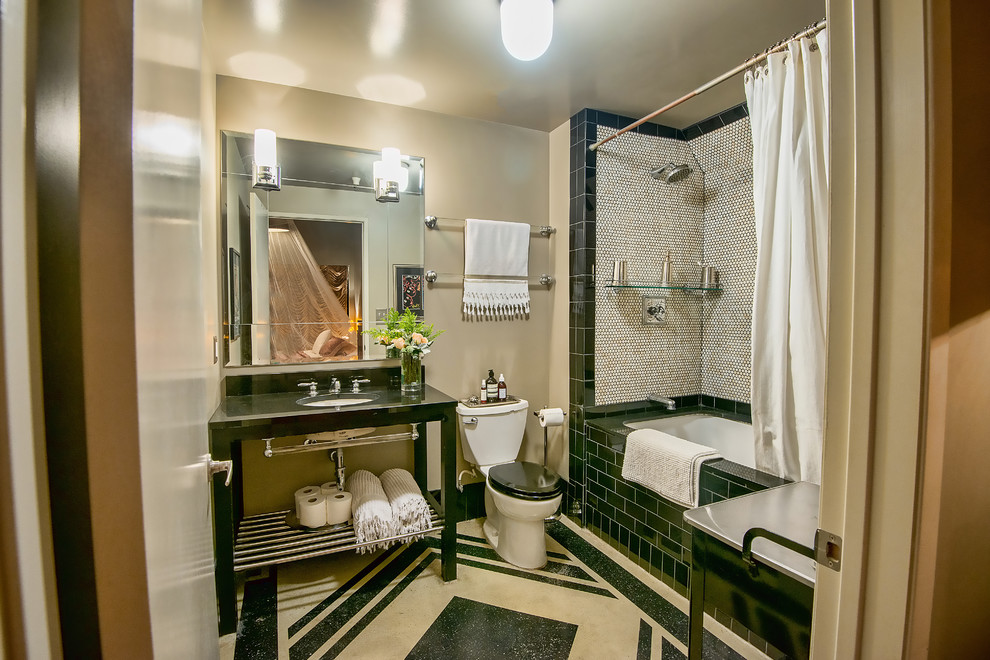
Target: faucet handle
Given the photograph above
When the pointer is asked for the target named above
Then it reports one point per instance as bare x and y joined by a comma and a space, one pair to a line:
356, 383
311, 384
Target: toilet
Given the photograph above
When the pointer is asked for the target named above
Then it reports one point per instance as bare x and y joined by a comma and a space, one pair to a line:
518, 495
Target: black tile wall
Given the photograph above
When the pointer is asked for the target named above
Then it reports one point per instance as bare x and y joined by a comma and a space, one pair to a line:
646, 527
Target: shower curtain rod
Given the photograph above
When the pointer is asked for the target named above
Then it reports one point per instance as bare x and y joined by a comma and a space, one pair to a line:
814, 29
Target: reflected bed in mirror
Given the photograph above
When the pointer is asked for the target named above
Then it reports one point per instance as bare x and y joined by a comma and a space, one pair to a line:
309, 268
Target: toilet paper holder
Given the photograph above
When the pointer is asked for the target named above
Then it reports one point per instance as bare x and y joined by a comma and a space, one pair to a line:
536, 413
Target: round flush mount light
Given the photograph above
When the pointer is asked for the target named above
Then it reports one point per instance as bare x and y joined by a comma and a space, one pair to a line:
527, 27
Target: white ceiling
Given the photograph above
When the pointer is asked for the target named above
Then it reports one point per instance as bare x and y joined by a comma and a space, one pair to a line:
623, 56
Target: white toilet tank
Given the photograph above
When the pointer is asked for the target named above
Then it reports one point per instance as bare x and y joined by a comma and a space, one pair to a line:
492, 434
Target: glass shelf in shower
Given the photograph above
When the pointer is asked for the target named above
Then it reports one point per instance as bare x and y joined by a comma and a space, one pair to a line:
670, 286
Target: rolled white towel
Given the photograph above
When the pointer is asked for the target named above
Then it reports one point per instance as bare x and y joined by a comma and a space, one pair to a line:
410, 511
370, 510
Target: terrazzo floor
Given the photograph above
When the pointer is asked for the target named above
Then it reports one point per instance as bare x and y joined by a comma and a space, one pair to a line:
588, 602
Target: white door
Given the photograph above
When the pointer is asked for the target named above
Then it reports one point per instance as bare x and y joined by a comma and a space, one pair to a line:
876, 324
173, 349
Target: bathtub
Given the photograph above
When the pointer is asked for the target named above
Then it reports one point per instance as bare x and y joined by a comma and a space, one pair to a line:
732, 439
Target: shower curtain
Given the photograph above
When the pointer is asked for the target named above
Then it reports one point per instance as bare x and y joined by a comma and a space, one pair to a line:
787, 99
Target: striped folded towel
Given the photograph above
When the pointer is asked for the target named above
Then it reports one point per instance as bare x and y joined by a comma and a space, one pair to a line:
410, 512
370, 510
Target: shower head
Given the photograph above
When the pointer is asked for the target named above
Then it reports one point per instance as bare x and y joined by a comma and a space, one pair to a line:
671, 173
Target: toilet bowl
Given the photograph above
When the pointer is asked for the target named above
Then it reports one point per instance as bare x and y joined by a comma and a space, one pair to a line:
518, 495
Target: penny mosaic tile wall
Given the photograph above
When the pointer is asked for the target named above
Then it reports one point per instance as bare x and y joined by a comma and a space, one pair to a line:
703, 347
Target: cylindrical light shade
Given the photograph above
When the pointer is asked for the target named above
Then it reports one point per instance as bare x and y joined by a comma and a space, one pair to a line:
527, 27
264, 148
392, 163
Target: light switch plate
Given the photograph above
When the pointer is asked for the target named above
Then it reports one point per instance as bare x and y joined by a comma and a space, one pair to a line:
380, 314
654, 310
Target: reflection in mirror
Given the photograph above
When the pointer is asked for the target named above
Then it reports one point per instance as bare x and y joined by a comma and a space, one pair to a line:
310, 266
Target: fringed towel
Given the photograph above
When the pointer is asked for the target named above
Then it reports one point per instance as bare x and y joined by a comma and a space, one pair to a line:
499, 251
410, 512
496, 297
665, 464
370, 510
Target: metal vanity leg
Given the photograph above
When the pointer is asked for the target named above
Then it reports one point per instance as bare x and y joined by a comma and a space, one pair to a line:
448, 497
696, 610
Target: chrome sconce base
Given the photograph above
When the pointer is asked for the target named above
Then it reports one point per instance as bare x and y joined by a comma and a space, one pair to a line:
266, 178
386, 191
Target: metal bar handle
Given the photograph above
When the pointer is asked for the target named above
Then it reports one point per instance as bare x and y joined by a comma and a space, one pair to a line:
758, 532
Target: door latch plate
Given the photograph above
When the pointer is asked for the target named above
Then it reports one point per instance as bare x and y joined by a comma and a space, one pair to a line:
828, 549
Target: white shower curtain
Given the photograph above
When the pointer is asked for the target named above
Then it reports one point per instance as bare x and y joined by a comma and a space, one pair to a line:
787, 100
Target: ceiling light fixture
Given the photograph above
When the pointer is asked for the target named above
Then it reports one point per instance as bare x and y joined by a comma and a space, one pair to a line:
527, 27
267, 175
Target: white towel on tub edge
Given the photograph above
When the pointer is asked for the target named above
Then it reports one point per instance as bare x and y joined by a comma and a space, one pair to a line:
665, 464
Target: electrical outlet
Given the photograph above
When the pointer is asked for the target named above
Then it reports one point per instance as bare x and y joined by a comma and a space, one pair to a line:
654, 310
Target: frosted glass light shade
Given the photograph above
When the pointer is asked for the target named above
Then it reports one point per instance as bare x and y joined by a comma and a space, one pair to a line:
392, 163
264, 148
527, 27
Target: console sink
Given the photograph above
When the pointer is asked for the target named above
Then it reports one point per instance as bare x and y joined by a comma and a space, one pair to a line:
337, 400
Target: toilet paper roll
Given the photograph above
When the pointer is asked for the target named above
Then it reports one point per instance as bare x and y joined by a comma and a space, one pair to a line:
306, 491
338, 507
312, 511
551, 417
329, 488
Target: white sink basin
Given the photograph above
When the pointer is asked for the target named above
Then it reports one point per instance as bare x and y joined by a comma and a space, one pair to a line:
336, 400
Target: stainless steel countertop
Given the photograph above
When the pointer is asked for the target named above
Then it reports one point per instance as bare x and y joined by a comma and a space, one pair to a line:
790, 511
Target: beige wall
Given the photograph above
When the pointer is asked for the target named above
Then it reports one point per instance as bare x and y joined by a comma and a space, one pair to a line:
473, 169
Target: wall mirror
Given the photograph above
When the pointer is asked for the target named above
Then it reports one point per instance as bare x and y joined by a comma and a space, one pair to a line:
309, 267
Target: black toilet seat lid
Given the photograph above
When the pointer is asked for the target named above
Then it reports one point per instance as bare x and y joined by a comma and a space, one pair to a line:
526, 480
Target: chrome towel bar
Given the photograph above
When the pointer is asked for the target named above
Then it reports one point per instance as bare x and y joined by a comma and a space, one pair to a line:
431, 277
316, 445
544, 230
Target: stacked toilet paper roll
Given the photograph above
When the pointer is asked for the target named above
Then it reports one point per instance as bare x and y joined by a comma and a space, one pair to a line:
551, 417
338, 507
305, 492
312, 510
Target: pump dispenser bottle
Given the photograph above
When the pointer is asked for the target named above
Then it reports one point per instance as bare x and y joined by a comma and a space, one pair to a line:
503, 391
492, 385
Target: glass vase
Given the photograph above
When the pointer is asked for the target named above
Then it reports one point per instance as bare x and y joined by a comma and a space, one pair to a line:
412, 372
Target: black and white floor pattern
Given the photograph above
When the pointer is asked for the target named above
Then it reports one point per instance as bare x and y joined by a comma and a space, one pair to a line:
588, 602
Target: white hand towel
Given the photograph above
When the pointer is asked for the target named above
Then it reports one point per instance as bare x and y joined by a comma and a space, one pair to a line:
410, 511
499, 250
370, 510
665, 464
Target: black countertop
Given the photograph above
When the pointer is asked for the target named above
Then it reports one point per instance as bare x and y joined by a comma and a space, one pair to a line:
264, 409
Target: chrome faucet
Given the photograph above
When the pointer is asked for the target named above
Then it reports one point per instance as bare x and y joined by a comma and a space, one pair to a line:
665, 401
335, 386
311, 384
356, 383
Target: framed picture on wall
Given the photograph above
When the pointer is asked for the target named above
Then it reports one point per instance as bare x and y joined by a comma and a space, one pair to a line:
235, 294
409, 289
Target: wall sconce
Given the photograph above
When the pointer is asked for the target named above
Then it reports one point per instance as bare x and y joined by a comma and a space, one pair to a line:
267, 175
527, 27
387, 174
